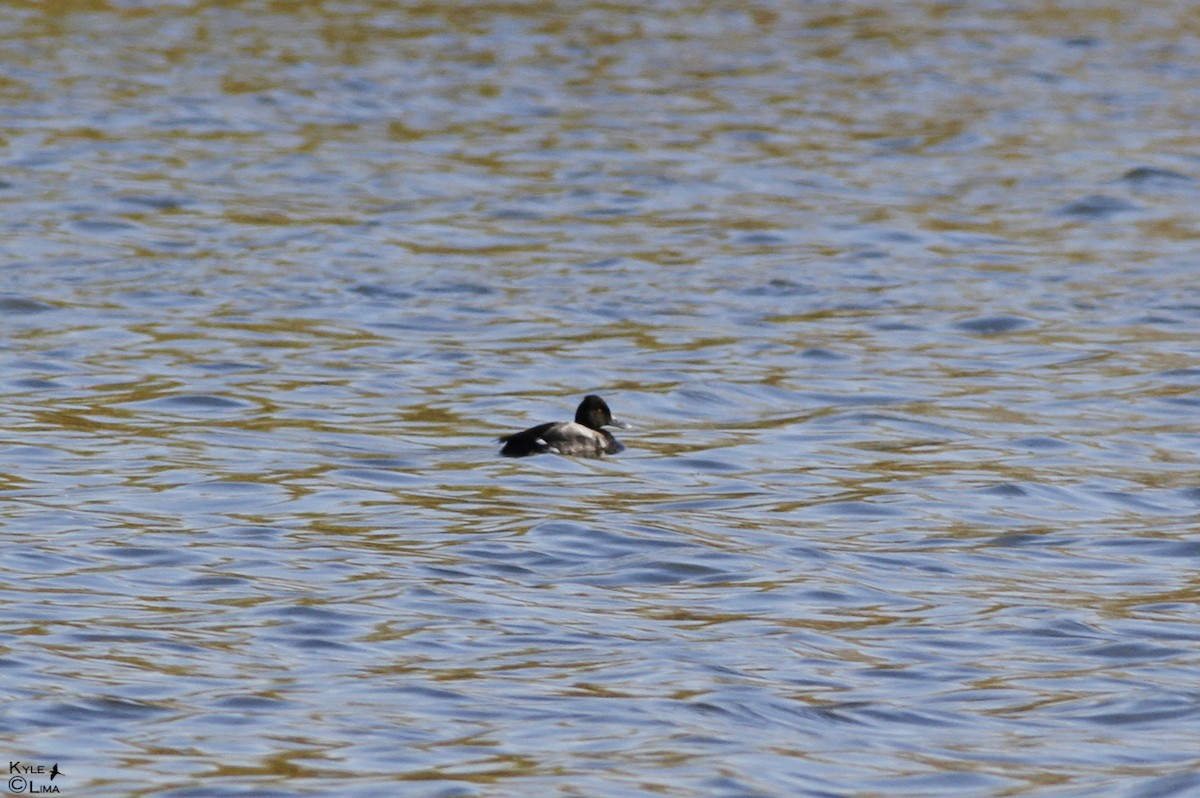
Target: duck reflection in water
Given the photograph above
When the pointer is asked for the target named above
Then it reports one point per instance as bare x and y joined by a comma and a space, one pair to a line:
583, 437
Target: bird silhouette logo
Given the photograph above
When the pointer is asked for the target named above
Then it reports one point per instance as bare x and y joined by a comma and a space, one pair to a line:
53, 771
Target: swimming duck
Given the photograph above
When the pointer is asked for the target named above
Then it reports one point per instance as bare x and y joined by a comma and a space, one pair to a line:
583, 437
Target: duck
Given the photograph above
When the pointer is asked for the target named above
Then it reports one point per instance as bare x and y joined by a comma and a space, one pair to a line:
583, 437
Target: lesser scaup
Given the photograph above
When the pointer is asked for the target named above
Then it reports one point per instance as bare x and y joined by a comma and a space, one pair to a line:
582, 437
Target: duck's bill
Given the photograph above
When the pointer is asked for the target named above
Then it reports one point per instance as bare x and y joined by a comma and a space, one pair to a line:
619, 424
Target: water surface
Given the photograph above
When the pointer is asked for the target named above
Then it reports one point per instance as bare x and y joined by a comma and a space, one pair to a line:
900, 300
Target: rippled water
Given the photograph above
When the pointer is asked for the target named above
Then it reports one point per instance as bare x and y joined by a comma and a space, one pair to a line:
901, 300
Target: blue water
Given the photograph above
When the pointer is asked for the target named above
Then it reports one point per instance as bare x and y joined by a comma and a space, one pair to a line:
899, 301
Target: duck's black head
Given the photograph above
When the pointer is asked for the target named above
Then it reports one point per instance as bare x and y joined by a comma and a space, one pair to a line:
593, 412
